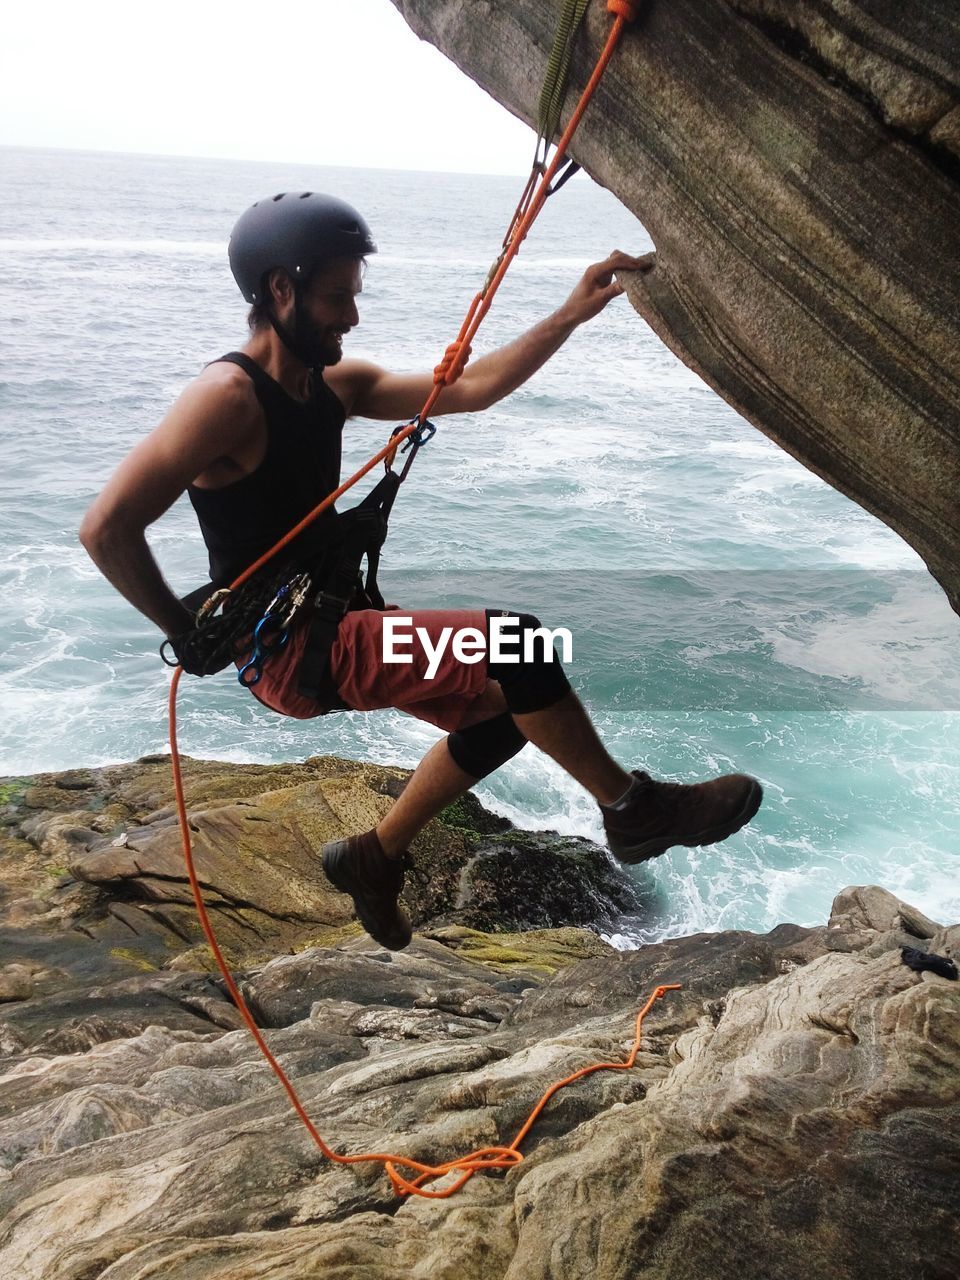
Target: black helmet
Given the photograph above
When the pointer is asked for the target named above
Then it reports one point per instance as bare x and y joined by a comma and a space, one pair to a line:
297, 231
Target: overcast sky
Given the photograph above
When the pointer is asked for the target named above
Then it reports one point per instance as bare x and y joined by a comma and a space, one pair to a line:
339, 82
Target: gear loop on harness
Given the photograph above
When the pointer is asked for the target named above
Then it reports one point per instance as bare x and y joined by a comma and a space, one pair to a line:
168, 644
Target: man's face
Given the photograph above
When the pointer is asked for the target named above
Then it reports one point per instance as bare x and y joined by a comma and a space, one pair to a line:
330, 308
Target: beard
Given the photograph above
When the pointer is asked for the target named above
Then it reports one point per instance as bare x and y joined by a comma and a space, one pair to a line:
317, 343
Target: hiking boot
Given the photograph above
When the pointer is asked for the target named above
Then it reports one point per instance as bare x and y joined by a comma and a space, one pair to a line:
359, 866
658, 815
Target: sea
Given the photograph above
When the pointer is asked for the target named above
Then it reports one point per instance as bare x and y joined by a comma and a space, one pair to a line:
729, 610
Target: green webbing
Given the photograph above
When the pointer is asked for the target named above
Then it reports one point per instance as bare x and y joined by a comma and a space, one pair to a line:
555, 84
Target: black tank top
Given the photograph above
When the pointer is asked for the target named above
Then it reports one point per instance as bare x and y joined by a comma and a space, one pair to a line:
301, 466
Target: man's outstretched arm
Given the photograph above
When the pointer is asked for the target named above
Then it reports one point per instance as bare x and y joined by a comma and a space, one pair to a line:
370, 392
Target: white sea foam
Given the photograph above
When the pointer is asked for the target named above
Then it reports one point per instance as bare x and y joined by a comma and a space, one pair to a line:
905, 650
864, 542
758, 449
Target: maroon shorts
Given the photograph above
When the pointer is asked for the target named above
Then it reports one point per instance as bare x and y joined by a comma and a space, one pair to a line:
366, 682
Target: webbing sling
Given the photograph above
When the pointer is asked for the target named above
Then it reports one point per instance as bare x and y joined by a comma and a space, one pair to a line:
359, 532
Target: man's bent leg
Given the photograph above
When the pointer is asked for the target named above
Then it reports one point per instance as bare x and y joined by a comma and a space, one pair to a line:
565, 733
486, 739
370, 867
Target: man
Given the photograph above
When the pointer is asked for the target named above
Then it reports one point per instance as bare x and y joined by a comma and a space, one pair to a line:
255, 441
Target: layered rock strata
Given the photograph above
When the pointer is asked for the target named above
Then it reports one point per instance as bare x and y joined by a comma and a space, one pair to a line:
793, 1112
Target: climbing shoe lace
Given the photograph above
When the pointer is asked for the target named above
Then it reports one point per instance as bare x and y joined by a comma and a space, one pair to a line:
655, 816
359, 866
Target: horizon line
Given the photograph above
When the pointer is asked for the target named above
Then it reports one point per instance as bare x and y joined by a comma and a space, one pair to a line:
302, 164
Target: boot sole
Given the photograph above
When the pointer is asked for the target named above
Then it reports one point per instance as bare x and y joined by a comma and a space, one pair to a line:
648, 849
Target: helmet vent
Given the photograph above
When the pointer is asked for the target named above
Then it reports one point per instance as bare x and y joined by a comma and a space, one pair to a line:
306, 194
280, 196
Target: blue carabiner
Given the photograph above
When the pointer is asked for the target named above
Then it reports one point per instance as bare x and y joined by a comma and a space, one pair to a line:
263, 647
425, 431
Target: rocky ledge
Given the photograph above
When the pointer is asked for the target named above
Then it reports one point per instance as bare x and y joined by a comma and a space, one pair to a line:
793, 1110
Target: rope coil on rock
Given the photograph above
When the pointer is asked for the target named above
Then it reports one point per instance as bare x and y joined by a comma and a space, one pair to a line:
450, 368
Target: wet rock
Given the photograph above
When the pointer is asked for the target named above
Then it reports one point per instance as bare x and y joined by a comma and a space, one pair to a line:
584, 886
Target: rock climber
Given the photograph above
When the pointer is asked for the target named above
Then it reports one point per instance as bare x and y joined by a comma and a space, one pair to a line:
255, 441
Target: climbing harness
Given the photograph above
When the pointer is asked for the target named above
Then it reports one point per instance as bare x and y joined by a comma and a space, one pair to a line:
234, 625
360, 532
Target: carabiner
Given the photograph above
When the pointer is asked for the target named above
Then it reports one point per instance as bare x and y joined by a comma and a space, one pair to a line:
425, 431
263, 647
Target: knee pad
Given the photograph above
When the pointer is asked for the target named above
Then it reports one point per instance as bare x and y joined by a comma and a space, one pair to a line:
482, 748
536, 680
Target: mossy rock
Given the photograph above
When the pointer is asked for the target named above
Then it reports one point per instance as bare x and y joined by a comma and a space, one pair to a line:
527, 880
468, 816
331, 936
134, 957
537, 953
12, 790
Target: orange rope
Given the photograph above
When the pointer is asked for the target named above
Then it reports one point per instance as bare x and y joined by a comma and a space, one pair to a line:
449, 369
484, 299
